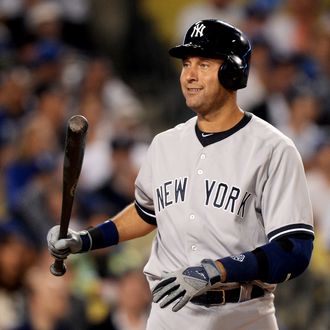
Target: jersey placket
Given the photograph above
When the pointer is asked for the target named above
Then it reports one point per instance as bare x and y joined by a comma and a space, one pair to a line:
195, 224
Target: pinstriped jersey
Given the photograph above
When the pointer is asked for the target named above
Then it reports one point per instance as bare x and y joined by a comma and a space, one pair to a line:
213, 195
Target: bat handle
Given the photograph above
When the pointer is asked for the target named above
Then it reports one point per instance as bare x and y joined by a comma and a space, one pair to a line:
58, 268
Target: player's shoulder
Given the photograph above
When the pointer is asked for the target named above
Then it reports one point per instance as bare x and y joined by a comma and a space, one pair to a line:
267, 133
178, 130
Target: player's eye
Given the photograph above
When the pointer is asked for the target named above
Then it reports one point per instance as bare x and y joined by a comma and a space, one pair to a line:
204, 65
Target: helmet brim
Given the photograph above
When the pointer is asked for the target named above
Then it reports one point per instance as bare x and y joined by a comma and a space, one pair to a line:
186, 50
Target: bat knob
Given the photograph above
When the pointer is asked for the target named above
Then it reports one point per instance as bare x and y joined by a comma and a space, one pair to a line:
58, 268
78, 124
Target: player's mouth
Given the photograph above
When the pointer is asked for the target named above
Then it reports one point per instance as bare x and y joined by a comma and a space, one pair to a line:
193, 90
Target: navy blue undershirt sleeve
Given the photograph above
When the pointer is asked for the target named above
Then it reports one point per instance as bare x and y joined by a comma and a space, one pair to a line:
146, 214
275, 262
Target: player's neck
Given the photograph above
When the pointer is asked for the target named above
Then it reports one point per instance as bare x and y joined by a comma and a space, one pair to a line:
221, 120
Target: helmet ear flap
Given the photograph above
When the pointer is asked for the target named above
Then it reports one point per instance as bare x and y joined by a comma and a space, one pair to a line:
232, 73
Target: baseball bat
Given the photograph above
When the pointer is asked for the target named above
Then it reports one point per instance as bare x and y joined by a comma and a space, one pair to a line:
74, 148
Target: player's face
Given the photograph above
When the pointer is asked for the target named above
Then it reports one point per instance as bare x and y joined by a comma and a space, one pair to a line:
200, 85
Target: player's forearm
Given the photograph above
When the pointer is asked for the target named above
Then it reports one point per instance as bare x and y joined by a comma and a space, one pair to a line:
274, 262
130, 225
124, 226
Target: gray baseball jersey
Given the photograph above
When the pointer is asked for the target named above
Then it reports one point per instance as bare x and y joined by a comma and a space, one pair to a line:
221, 194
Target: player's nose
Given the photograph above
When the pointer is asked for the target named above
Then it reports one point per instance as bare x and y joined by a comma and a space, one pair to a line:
191, 74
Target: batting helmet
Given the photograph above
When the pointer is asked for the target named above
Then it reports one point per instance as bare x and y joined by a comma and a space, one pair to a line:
213, 38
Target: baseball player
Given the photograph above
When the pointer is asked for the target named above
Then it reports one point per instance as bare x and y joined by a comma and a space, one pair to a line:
225, 191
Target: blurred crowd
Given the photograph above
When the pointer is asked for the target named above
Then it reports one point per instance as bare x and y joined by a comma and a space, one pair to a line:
105, 60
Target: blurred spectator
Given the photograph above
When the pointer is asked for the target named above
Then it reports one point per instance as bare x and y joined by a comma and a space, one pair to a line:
226, 10
16, 256
109, 26
43, 20
301, 21
96, 167
49, 303
132, 306
46, 64
255, 16
274, 107
319, 184
129, 37
291, 29
301, 126
299, 309
40, 205
45, 49
101, 81
326, 235
12, 16
6, 153
123, 32
52, 107
97, 276
320, 52
15, 89
6, 51
256, 89
112, 108
118, 191
75, 23
36, 151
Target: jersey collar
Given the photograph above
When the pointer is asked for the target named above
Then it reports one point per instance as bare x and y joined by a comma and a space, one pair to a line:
208, 138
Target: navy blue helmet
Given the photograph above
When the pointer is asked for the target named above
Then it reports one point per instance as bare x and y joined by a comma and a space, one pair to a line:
213, 38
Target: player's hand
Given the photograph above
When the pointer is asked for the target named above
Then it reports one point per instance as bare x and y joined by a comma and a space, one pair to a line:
61, 248
186, 283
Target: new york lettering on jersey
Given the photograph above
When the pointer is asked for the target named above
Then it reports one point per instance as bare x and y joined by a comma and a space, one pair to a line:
216, 194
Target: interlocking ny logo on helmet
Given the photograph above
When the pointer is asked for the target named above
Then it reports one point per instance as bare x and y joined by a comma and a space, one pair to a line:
216, 39
198, 30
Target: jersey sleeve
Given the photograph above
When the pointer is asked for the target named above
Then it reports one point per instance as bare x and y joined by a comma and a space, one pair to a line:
144, 203
286, 206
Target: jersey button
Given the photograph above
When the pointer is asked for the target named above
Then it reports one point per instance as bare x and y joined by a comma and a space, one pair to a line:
203, 156
192, 216
194, 247
200, 172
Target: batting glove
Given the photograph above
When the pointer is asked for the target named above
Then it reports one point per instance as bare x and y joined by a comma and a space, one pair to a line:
185, 283
61, 248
